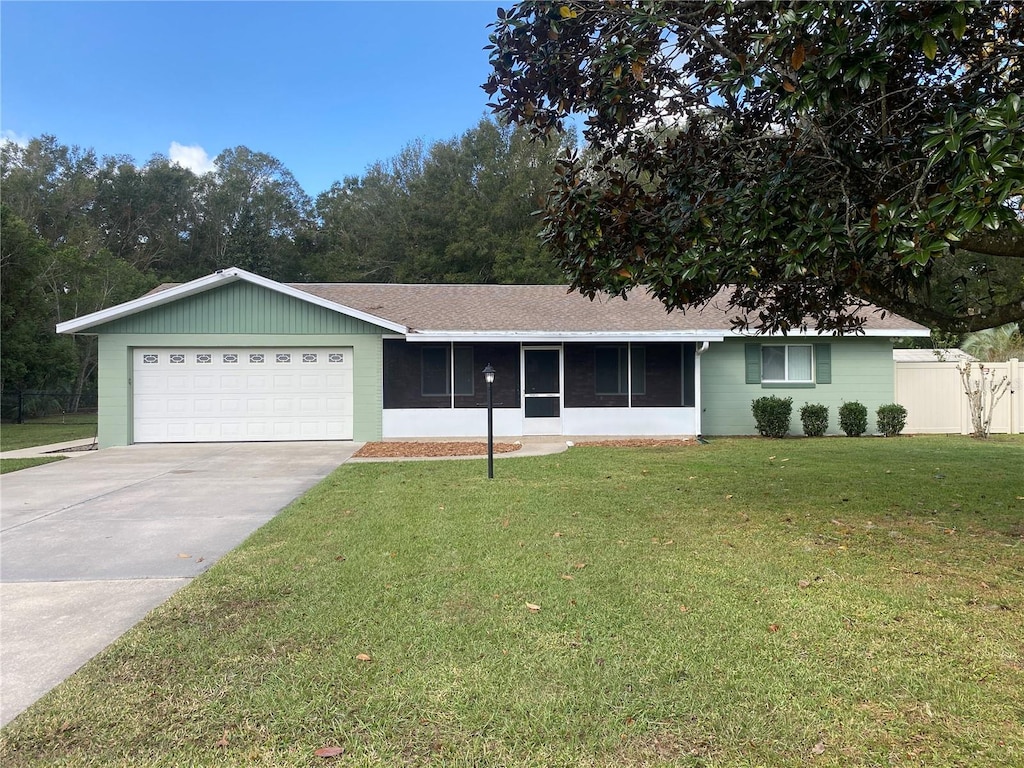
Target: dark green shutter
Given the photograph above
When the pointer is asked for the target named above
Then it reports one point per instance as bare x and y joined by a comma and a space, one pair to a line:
753, 359
823, 363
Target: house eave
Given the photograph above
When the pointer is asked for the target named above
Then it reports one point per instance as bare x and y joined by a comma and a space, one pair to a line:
553, 337
199, 285
887, 333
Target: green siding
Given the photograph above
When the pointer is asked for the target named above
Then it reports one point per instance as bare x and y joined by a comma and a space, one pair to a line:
239, 314
115, 372
861, 369
238, 307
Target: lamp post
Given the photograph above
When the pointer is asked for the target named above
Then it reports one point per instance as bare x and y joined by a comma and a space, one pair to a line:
489, 378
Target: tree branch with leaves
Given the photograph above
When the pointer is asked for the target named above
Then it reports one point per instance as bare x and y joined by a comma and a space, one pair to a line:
806, 153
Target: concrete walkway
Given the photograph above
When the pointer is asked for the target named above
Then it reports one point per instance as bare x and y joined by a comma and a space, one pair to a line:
89, 546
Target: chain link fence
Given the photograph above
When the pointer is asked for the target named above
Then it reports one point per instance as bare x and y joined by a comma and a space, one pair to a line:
17, 407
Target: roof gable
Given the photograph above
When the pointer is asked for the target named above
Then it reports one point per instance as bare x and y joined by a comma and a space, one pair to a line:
201, 285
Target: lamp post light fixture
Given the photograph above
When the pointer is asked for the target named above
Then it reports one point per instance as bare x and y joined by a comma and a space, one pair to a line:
489, 378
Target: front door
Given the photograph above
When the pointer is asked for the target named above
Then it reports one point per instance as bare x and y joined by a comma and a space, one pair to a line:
542, 391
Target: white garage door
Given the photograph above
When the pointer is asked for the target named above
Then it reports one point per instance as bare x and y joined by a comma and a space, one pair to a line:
242, 394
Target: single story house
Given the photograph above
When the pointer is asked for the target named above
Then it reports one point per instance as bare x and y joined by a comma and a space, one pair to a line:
237, 357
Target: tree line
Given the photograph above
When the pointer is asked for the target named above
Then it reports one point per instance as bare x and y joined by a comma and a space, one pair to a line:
82, 232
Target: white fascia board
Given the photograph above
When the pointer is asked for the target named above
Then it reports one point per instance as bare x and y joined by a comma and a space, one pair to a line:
545, 337
886, 333
199, 285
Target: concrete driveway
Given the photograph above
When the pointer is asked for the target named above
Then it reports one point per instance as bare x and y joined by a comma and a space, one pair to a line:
88, 546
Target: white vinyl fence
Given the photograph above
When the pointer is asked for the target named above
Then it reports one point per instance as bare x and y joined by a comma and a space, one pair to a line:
935, 401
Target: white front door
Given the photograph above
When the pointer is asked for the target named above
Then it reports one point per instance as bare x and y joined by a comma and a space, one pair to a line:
241, 394
542, 391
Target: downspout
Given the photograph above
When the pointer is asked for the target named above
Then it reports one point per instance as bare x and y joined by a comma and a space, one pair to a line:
697, 387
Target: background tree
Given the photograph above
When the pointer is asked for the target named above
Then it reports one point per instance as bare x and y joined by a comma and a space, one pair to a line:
457, 211
34, 357
995, 345
252, 208
802, 152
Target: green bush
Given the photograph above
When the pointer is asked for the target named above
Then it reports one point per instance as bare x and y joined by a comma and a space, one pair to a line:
771, 415
891, 419
853, 419
814, 417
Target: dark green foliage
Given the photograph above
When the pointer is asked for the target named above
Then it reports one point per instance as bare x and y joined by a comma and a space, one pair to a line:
853, 419
772, 414
798, 152
891, 419
33, 356
814, 417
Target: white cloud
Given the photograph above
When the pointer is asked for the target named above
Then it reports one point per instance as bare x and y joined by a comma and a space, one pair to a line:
194, 158
14, 138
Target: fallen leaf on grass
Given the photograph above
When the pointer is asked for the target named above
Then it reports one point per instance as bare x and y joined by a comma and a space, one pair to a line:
728, 496
774, 628
683, 609
580, 566
364, 657
557, 534
818, 749
567, 577
329, 751
223, 740
533, 607
803, 583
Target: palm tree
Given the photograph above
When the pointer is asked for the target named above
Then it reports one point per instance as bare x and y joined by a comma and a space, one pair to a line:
995, 345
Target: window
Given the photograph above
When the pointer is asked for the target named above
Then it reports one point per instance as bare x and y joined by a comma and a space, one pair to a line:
336, 357
611, 370
283, 357
230, 357
149, 359
786, 363
434, 379
204, 357
464, 370
794, 365
177, 358
256, 357
612, 373
309, 357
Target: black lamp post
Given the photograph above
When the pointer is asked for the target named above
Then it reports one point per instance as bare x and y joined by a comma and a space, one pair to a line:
489, 378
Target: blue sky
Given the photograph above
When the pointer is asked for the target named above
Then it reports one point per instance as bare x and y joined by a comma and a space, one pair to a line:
325, 87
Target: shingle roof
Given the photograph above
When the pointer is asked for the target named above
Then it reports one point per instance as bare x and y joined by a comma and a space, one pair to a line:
541, 309
520, 310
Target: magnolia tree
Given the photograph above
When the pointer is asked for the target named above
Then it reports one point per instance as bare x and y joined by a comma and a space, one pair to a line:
984, 390
803, 152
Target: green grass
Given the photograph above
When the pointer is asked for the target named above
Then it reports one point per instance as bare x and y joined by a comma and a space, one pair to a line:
830, 602
13, 465
46, 432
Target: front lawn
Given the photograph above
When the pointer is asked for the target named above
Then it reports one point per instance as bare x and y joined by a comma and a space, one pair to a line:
46, 431
13, 465
828, 602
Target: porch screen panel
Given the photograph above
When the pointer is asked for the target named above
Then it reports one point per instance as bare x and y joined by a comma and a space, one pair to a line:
404, 375
504, 358
663, 376
580, 376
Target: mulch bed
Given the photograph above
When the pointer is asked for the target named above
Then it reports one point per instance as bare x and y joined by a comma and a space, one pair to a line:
638, 443
416, 449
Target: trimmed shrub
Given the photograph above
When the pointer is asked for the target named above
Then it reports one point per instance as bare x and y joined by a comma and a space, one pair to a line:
771, 415
814, 417
853, 419
891, 419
